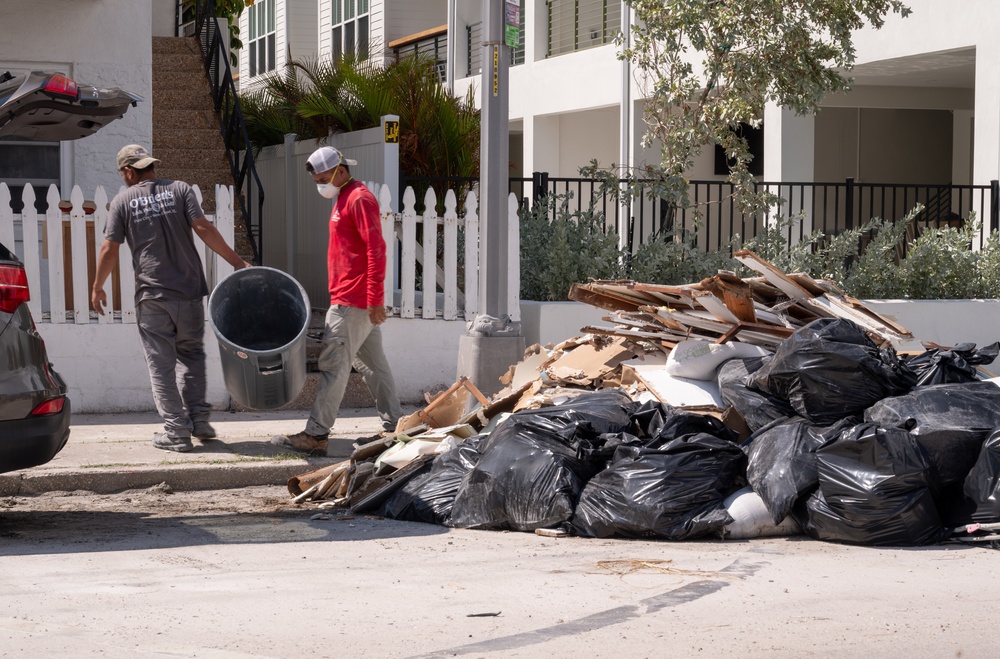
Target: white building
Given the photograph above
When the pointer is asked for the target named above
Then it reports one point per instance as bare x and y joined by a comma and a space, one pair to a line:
909, 119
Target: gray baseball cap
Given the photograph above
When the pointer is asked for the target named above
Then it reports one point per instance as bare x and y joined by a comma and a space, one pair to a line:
135, 156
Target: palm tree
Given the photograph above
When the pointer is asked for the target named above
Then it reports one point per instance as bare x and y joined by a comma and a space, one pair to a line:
439, 133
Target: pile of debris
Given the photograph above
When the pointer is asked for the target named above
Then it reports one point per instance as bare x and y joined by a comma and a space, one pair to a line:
736, 408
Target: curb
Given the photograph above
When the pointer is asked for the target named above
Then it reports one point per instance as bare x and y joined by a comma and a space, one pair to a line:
182, 477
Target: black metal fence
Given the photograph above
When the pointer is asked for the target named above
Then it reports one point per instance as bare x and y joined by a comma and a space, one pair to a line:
714, 216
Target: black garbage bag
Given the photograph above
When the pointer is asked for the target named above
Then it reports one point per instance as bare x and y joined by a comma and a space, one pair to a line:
982, 485
830, 370
781, 461
950, 366
875, 488
430, 493
951, 421
977, 499
758, 409
675, 491
529, 475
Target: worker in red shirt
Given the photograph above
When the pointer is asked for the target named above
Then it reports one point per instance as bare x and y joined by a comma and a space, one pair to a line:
356, 268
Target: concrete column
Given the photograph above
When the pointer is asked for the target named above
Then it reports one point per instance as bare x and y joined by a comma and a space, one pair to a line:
986, 158
789, 156
541, 146
961, 147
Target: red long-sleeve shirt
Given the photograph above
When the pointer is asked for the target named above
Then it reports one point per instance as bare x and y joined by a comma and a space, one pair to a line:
356, 256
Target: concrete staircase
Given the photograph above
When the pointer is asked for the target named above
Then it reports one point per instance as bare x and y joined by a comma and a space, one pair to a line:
186, 138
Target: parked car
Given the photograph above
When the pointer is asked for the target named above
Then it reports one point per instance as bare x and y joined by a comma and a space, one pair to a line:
34, 409
50, 106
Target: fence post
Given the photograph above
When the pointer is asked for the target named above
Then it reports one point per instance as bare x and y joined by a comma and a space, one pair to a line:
994, 205
849, 204
390, 157
539, 186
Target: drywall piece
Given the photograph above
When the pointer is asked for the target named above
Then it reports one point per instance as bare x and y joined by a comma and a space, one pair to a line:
678, 392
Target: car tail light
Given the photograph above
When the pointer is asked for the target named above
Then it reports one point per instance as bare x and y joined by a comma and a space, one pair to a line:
61, 85
53, 406
13, 287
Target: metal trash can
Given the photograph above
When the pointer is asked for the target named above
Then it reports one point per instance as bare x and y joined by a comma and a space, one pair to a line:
260, 316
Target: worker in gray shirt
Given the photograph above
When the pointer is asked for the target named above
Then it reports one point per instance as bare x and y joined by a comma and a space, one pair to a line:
158, 219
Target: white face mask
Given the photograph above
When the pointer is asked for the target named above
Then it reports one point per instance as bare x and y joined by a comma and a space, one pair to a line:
328, 190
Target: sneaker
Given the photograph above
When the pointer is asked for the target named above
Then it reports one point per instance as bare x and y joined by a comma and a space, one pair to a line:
168, 443
203, 430
303, 442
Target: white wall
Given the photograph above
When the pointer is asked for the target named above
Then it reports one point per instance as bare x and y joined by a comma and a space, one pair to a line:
105, 371
68, 35
303, 29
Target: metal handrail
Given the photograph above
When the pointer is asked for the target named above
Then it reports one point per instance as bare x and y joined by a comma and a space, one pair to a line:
239, 150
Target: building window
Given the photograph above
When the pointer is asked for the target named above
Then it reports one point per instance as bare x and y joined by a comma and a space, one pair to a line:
580, 24
36, 163
350, 28
261, 37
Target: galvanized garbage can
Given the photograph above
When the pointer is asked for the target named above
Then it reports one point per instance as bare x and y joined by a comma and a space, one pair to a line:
260, 316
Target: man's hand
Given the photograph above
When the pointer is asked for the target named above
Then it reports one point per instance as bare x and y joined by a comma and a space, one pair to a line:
98, 300
376, 314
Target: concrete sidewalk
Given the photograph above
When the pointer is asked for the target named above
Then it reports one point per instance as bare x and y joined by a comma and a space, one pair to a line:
114, 452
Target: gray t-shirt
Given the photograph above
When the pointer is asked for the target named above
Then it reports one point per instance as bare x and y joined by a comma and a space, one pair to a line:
154, 218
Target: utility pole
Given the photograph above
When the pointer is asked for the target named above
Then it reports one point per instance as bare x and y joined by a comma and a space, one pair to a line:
493, 342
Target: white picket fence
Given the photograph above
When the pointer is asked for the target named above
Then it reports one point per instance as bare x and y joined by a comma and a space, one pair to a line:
39, 241
36, 238
441, 267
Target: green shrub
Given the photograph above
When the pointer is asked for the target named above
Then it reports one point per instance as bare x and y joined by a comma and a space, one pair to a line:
875, 261
556, 253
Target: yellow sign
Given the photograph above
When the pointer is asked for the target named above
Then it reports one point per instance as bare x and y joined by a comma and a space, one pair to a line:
392, 132
496, 70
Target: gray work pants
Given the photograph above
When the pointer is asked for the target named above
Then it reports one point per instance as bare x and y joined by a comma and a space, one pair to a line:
172, 334
350, 338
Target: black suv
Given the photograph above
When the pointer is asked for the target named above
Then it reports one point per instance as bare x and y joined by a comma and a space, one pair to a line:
34, 411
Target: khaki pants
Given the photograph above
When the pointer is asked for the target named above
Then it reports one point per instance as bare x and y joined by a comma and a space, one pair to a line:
350, 338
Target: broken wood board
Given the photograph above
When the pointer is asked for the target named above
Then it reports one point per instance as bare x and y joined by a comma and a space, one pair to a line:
589, 362
447, 408
773, 275
602, 298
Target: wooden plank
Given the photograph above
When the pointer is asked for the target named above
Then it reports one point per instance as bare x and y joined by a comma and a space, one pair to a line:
408, 258
54, 249
428, 282
450, 231
715, 306
772, 274
601, 298
388, 220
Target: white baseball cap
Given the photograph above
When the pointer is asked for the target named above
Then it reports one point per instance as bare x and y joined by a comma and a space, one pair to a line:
325, 159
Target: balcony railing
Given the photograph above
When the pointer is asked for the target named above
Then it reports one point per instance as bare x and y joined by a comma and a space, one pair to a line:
431, 43
715, 218
580, 24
